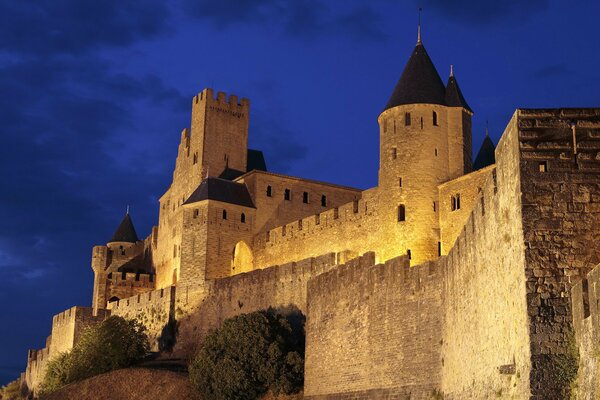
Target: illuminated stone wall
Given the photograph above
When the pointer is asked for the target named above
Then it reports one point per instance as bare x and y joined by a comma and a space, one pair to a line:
586, 321
452, 218
374, 331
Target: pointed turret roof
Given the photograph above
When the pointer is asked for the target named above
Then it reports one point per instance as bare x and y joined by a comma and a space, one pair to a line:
486, 155
125, 232
454, 96
419, 83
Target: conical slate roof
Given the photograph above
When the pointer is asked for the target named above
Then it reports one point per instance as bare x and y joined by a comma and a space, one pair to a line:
419, 83
486, 155
222, 190
125, 232
454, 97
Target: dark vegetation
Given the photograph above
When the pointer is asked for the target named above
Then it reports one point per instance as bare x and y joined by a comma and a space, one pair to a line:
115, 343
251, 354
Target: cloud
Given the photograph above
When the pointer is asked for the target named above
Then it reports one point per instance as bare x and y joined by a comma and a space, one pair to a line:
299, 18
75, 26
481, 12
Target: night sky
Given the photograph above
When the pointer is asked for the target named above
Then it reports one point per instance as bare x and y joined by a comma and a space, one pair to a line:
94, 95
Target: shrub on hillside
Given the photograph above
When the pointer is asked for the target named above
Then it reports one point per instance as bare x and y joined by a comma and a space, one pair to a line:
115, 343
13, 391
250, 354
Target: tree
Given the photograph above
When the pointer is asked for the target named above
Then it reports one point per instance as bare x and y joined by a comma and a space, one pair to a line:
250, 354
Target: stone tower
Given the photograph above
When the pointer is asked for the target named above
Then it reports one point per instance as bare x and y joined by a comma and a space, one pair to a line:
216, 145
425, 140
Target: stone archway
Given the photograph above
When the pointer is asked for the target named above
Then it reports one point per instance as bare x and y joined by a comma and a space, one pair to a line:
242, 259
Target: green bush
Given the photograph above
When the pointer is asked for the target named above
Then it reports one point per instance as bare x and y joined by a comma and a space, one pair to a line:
248, 355
115, 343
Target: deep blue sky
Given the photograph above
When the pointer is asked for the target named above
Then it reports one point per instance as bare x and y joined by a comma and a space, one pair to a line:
94, 94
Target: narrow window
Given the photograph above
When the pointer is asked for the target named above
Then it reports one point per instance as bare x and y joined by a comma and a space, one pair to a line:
286, 194
407, 119
434, 207
355, 205
243, 218
586, 297
384, 125
196, 213
394, 126
452, 203
543, 166
421, 122
299, 224
267, 236
305, 197
317, 219
196, 158
394, 153
482, 205
224, 214
323, 201
269, 191
336, 213
409, 254
439, 249
435, 121
174, 250
401, 213
458, 201
399, 182
283, 230
435, 152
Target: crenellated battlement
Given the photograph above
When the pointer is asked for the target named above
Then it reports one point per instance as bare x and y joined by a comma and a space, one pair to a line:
230, 103
315, 224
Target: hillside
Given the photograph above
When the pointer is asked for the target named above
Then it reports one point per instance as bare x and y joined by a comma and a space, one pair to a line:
130, 384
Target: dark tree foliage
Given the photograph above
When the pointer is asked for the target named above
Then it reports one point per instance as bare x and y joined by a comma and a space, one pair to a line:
115, 343
250, 354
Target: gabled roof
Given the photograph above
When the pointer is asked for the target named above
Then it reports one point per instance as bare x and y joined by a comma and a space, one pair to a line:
125, 232
419, 83
222, 190
454, 96
486, 155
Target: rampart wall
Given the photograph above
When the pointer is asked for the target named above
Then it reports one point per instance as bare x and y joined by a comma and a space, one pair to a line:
560, 170
351, 228
67, 328
456, 327
486, 339
374, 331
585, 297
153, 309
282, 286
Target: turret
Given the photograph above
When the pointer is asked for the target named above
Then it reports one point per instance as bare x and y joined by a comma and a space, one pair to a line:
125, 235
425, 140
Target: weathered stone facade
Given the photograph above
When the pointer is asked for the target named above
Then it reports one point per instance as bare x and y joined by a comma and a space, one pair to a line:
441, 282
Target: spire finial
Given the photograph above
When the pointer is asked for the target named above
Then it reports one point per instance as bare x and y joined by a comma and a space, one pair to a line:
487, 133
451, 70
419, 27
127, 212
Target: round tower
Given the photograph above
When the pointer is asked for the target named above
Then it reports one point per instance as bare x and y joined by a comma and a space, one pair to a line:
425, 140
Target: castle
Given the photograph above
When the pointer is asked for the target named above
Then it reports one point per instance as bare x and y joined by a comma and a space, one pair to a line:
450, 279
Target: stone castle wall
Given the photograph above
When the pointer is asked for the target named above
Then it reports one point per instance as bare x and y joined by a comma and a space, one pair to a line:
67, 328
153, 309
282, 286
465, 189
585, 297
485, 348
374, 331
561, 210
